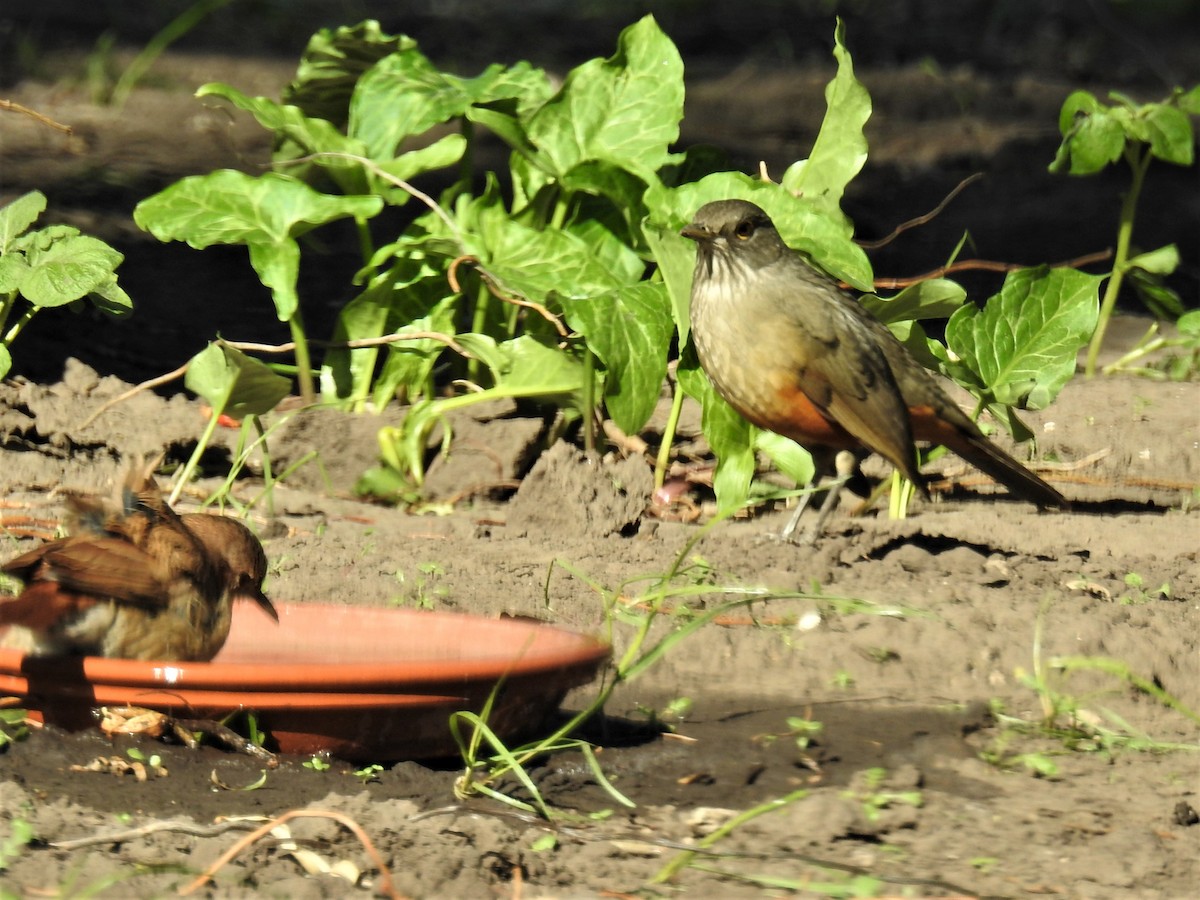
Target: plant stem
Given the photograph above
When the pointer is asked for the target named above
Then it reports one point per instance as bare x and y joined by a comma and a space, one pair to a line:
18, 325
668, 438
194, 460
588, 402
303, 361
483, 301
683, 860
1138, 157
366, 245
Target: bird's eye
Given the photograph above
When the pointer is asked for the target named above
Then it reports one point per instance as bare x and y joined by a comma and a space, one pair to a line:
744, 229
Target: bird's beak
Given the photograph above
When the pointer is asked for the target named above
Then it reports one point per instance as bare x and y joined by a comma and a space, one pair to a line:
247, 590
696, 232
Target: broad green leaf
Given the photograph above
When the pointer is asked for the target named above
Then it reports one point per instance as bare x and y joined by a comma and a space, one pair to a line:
408, 367
404, 94
445, 151
840, 148
676, 259
1169, 133
313, 135
789, 457
332, 64
542, 264
1092, 137
266, 213
13, 270
234, 383
410, 296
1189, 101
730, 436
67, 270
937, 298
1023, 343
1189, 323
16, 217
630, 330
611, 250
1162, 261
605, 179
624, 110
111, 298
5, 361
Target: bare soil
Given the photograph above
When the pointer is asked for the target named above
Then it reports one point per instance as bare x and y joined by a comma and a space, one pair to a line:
917, 702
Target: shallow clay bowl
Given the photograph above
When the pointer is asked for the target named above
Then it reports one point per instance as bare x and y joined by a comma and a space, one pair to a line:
361, 684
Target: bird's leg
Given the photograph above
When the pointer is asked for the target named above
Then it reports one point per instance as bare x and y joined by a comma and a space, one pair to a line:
845, 465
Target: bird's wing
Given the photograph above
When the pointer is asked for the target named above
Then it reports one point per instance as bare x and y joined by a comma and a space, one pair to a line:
845, 374
99, 566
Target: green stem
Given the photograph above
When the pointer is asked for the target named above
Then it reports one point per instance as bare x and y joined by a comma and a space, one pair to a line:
194, 460
7, 303
1138, 157
18, 325
589, 401
304, 373
267, 474
466, 165
366, 244
668, 438
683, 860
560, 211
479, 317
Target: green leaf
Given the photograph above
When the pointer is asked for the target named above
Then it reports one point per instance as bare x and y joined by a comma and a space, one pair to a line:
630, 330
233, 383
789, 457
111, 298
332, 64
937, 298
409, 364
1169, 133
676, 258
1092, 136
840, 148
1189, 101
404, 94
1022, 345
266, 213
534, 263
13, 270
730, 436
5, 361
525, 366
16, 217
313, 135
1189, 323
410, 296
1162, 261
522, 367
67, 270
624, 110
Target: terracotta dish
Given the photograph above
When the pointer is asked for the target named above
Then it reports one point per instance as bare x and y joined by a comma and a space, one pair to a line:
361, 684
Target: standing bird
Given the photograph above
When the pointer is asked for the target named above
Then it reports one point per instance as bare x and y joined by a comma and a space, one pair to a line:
134, 580
796, 355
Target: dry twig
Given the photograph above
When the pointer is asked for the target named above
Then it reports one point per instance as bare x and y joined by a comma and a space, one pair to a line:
385, 876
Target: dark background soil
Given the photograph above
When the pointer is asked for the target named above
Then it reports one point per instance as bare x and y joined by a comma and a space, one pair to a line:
958, 88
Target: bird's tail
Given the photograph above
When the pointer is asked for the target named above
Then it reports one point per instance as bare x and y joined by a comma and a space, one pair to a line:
990, 459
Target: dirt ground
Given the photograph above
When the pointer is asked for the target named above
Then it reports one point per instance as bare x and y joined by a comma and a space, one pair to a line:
920, 774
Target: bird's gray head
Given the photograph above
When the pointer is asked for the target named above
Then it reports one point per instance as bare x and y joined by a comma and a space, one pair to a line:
726, 231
